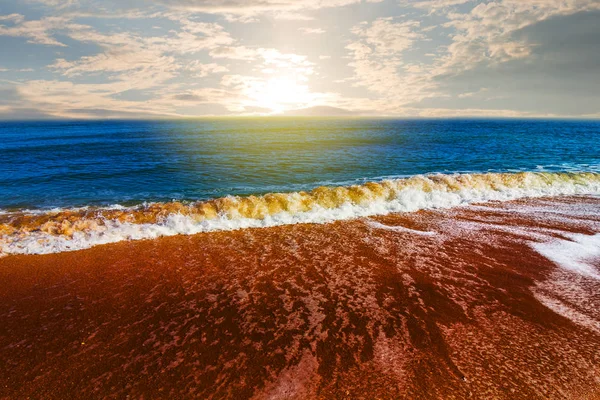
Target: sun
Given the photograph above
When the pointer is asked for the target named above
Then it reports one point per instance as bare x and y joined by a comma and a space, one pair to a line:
282, 93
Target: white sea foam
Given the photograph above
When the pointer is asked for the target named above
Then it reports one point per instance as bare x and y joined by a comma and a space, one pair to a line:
397, 228
319, 206
577, 254
572, 290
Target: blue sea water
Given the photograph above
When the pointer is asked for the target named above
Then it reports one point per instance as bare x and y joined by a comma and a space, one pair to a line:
77, 163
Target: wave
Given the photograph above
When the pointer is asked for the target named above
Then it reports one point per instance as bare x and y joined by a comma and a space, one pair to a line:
61, 230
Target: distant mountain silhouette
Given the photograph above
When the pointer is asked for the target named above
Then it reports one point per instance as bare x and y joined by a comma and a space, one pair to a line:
321, 111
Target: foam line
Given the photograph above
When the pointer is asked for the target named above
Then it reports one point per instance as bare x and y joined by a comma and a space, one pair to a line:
575, 254
74, 229
377, 225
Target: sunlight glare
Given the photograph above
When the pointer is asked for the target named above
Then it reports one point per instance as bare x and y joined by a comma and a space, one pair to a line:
282, 93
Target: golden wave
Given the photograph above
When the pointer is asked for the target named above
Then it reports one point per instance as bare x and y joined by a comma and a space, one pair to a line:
67, 222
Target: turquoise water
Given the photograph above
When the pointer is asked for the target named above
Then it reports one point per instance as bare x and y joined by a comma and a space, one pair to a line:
76, 163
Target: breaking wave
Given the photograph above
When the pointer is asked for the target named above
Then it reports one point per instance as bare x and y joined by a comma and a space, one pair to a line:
61, 230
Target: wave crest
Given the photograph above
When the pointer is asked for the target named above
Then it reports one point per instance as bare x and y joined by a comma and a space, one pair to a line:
73, 229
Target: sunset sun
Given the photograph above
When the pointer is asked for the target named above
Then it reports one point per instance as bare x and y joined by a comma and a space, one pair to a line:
282, 93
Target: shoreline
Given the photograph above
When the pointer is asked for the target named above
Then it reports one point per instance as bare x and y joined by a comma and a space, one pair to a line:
430, 304
80, 228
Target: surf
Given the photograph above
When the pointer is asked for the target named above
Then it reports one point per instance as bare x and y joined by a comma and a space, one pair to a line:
58, 230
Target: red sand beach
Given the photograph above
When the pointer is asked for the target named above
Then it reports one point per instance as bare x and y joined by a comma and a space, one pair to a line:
500, 300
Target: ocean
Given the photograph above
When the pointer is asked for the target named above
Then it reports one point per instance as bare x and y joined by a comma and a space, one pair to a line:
67, 185
300, 259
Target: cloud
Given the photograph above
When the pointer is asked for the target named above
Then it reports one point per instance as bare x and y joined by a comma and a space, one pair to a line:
312, 31
36, 31
234, 53
485, 34
492, 49
201, 70
434, 5
387, 37
189, 97
56, 99
55, 3
17, 70
117, 59
15, 18
284, 8
501, 54
244, 11
269, 58
473, 112
472, 94
321, 111
558, 77
230, 99
140, 62
126, 61
378, 64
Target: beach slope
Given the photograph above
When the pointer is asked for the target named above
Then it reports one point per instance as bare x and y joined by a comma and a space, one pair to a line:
498, 300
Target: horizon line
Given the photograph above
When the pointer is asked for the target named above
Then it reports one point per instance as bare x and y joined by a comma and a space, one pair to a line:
365, 117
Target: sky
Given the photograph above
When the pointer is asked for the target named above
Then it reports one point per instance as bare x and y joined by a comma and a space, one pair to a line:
398, 58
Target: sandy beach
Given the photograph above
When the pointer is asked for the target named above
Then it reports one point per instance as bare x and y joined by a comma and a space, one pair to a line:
460, 303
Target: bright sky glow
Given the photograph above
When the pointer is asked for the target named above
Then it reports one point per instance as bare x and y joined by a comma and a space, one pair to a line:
186, 58
281, 93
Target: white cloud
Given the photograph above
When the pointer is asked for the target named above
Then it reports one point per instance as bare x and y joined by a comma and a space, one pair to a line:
55, 3
472, 94
129, 61
244, 11
434, 5
36, 31
312, 31
56, 98
141, 62
269, 57
377, 61
285, 9
201, 70
15, 18
387, 37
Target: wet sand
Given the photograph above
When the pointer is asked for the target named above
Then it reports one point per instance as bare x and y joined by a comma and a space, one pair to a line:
462, 303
